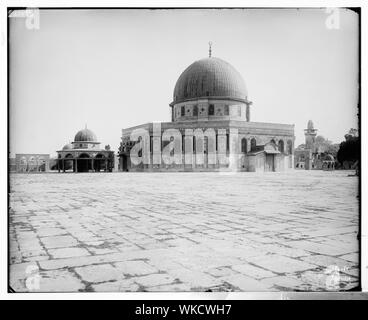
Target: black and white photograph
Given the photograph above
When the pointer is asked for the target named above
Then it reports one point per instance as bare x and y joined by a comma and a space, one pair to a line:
200, 150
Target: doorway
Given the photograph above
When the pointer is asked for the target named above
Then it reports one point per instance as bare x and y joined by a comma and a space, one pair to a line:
124, 163
84, 163
270, 162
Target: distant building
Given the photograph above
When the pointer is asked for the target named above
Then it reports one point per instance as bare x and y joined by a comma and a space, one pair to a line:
31, 162
85, 155
211, 112
12, 165
309, 157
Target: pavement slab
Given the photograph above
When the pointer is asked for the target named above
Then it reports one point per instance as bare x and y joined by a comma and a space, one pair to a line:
184, 231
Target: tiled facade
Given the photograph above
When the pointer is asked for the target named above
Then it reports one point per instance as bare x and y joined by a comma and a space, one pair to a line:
244, 146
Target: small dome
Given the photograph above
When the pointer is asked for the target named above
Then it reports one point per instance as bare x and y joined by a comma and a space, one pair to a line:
68, 146
85, 135
210, 77
310, 125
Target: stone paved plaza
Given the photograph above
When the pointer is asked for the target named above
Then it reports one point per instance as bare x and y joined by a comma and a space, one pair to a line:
184, 231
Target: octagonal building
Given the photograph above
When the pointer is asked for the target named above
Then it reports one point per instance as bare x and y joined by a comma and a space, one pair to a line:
210, 129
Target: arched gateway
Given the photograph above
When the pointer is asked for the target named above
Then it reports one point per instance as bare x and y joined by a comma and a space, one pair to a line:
85, 155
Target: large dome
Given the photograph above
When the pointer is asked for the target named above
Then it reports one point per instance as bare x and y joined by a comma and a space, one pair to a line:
210, 77
85, 135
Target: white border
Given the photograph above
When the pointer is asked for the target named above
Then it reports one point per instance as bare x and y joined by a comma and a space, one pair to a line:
172, 295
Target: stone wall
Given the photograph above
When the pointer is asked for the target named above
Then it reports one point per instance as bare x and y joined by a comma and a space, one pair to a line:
32, 162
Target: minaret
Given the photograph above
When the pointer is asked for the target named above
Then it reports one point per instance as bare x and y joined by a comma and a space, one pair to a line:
210, 49
310, 136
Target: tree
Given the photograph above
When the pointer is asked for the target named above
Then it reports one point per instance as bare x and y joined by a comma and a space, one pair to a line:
350, 148
321, 144
333, 149
352, 133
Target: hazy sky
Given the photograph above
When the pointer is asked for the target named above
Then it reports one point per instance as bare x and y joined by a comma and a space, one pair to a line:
113, 69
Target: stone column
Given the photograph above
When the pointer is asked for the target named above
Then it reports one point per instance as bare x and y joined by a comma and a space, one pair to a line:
116, 163
156, 144
188, 148
248, 145
93, 164
221, 147
76, 165
233, 148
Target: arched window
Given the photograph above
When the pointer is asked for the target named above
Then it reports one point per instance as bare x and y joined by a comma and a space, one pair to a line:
253, 144
41, 164
226, 111
273, 141
281, 146
205, 145
211, 110
32, 161
239, 111
183, 111
195, 111
290, 147
244, 145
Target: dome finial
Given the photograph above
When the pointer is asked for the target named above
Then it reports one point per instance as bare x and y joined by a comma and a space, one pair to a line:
210, 49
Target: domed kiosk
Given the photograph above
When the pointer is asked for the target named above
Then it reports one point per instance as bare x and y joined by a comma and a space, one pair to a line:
210, 128
85, 155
